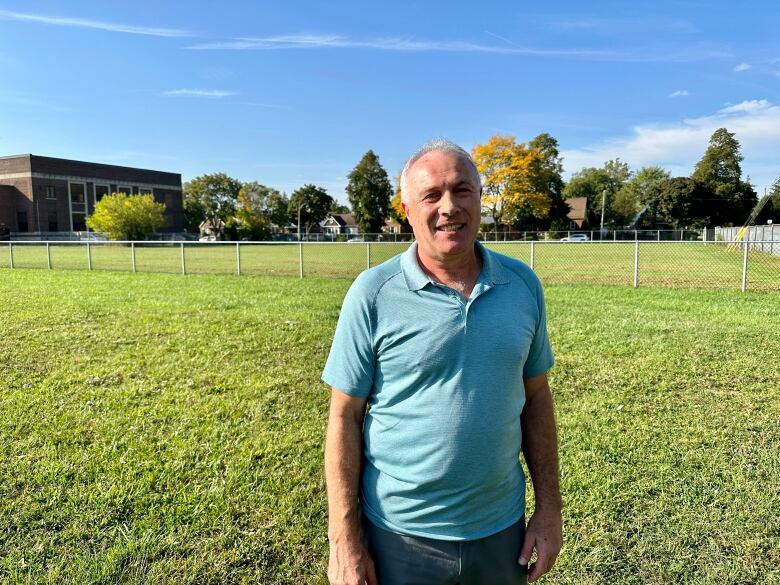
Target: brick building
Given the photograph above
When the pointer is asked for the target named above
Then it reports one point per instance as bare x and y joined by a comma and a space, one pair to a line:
40, 194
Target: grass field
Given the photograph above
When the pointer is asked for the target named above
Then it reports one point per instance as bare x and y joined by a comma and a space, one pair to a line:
156, 428
674, 264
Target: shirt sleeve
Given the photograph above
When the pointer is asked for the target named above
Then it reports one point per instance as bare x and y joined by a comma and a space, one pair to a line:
352, 360
540, 355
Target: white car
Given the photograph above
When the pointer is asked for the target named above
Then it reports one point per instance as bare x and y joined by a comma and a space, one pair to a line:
576, 238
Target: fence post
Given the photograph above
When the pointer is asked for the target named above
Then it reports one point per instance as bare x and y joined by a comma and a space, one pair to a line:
636, 263
532, 254
745, 262
48, 256
132, 253
183, 261
89, 256
238, 258
11, 252
300, 259
636, 235
368, 255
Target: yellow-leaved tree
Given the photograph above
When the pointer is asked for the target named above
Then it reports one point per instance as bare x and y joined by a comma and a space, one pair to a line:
509, 179
127, 217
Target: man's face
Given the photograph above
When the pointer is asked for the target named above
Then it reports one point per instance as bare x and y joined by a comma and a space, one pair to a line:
443, 205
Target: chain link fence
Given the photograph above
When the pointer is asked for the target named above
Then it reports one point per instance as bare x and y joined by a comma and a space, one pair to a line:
718, 263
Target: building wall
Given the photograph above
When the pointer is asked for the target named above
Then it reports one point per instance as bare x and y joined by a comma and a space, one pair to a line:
27, 179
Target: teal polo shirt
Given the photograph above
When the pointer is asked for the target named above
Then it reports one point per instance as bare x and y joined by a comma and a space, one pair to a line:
444, 381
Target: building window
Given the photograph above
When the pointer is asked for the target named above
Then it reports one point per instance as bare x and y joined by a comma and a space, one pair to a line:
78, 206
79, 222
145, 191
127, 190
51, 193
21, 221
53, 225
100, 192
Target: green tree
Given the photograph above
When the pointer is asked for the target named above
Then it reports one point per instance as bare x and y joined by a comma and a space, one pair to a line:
279, 209
255, 209
545, 175
211, 196
313, 203
720, 168
600, 185
127, 217
632, 196
369, 193
337, 207
683, 202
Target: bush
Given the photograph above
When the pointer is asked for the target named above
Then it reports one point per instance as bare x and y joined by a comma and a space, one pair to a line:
127, 217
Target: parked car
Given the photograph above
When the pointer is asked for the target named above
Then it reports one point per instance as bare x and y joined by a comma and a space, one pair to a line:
357, 240
576, 238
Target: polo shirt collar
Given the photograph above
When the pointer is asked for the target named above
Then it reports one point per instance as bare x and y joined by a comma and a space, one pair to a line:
492, 272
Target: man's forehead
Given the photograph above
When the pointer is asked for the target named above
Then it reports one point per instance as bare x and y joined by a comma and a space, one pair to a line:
434, 166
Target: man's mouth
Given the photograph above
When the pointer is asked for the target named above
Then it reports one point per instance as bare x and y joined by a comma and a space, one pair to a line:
449, 227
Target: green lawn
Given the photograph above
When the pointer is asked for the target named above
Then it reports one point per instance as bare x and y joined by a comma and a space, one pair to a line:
675, 264
156, 428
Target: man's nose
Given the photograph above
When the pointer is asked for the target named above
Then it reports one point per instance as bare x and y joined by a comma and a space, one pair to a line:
447, 204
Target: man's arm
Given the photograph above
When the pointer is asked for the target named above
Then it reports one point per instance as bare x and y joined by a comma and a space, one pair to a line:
349, 563
540, 449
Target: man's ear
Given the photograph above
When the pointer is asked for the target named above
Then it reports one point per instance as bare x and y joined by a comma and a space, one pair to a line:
405, 207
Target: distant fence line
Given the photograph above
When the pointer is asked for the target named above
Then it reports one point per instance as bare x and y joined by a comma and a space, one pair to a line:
486, 236
715, 264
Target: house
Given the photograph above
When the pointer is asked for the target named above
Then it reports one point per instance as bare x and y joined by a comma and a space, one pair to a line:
578, 212
45, 195
393, 226
211, 229
337, 224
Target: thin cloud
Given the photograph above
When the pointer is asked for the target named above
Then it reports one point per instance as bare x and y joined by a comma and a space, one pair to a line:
205, 93
677, 146
94, 24
697, 52
742, 67
306, 41
679, 93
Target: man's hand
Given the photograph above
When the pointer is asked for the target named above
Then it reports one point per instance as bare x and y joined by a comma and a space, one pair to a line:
545, 535
350, 564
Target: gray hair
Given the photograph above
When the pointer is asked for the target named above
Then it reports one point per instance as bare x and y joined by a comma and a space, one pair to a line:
435, 145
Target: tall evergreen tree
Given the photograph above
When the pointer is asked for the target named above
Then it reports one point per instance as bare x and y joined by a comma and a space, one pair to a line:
369, 192
720, 168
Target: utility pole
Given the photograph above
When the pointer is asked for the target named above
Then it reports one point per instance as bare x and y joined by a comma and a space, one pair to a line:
603, 203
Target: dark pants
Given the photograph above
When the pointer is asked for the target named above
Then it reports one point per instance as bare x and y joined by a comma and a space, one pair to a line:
412, 560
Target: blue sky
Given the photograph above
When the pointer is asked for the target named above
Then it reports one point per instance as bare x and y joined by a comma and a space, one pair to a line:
293, 92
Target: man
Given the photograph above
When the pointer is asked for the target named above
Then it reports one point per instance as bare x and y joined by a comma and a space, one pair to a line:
438, 375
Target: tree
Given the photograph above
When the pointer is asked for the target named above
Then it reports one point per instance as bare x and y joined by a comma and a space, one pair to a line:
210, 197
369, 192
600, 185
279, 209
720, 168
127, 217
507, 171
337, 207
633, 195
313, 203
254, 210
682, 201
546, 177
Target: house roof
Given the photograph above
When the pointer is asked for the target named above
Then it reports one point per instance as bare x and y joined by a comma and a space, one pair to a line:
344, 219
579, 208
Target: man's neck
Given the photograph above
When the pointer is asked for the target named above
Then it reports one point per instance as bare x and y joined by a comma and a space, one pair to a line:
459, 272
